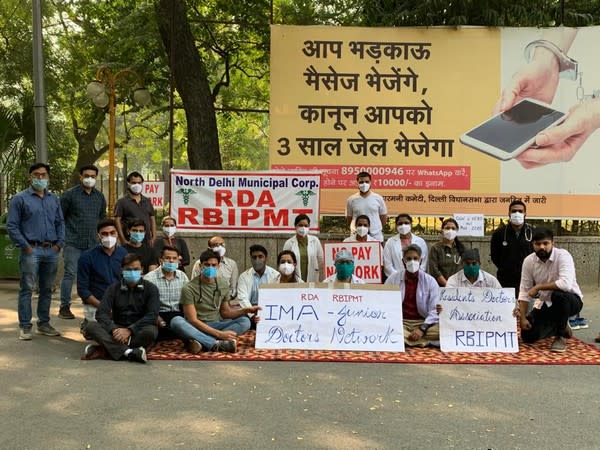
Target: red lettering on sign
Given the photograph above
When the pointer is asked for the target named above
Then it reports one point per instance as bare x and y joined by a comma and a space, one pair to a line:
276, 219
245, 198
212, 216
265, 199
248, 215
187, 215
223, 197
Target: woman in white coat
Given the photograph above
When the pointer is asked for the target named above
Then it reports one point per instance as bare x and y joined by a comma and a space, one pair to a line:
308, 251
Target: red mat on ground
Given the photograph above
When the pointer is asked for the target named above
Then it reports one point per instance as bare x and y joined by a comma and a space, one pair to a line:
578, 353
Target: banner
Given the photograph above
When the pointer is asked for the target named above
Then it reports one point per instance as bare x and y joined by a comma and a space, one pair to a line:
395, 102
367, 259
249, 202
478, 320
360, 318
155, 191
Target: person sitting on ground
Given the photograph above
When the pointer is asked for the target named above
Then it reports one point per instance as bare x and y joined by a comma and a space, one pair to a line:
169, 238
344, 269
228, 268
209, 321
361, 232
286, 264
419, 292
139, 245
250, 280
548, 281
472, 275
169, 280
392, 252
308, 250
126, 316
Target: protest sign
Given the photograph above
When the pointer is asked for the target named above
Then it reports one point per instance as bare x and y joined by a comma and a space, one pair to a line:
249, 202
469, 224
155, 191
478, 320
298, 316
367, 259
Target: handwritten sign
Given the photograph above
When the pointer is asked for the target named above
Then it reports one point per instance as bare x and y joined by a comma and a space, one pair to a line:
155, 191
365, 318
367, 259
478, 320
469, 224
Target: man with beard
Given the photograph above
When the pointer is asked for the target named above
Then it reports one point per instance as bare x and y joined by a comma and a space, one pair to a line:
548, 281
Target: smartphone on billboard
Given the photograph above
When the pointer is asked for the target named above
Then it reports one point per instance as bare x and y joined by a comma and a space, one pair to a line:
510, 133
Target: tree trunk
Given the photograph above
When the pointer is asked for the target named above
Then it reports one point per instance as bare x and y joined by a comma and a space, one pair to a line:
87, 152
191, 81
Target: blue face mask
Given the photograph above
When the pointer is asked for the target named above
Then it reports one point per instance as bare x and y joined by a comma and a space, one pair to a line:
210, 272
131, 276
137, 236
169, 266
471, 271
344, 271
39, 185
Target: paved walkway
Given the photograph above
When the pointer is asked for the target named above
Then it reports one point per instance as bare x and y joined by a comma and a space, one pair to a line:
51, 399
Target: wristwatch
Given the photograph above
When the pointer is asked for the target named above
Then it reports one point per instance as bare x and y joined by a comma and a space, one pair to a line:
567, 67
424, 327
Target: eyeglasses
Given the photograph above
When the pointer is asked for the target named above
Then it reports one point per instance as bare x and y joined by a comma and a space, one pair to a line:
38, 175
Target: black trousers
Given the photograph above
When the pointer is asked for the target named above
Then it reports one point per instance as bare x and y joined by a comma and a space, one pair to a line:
143, 338
552, 321
165, 333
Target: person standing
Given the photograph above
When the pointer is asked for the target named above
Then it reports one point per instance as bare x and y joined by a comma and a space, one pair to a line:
83, 206
392, 252
308, 251
134, 205
367, 202
36, 225
445, 256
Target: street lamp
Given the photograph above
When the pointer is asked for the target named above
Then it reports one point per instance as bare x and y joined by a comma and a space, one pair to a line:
102, 92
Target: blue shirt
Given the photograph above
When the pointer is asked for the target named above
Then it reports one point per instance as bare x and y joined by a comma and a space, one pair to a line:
96, 271
32, 218
82, 212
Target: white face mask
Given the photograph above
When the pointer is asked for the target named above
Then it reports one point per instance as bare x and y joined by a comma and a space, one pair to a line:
286, 268
362, 231
169, 231
364, 187
517, 218
449, 234
219, 250
302, 231
109, 241
403, 229
412, 266
89, 182
135, 188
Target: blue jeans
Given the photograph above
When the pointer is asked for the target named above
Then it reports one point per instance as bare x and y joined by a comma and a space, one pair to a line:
71, 256
186, 330
40, 266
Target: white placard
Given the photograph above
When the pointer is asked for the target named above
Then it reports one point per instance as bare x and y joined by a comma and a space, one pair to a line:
155, 191
367, 259
365, 318
469, 224
478, 320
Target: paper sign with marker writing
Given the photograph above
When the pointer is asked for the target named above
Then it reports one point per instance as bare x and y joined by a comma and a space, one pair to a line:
469, 224
478, 320
367, 259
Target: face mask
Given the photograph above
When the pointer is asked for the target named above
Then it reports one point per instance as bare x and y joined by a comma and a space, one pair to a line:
89, 182
286, 268
403, 229
543, 254
109, 241
258, 264
135, 188
169, 266
517, 218
39, 185
137, 236
449, 234
412, 266
219, 250
471, 271
362, 231
169, 231
210, 272
344, 271
131, 276
364, 187
302, 231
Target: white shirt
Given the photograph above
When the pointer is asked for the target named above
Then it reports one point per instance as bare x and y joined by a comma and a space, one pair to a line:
246, 283
484, 280
333, 279
392, 254
353, 238
315, 257
371, 206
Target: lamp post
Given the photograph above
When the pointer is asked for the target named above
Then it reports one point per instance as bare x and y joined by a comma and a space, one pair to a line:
102, 92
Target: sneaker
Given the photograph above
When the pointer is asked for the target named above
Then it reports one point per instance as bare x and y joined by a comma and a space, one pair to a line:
47, 330
137, 355
25, 334
583, 323
193, 346
93, 351
559, 345
574, 323
65, 312
228, 346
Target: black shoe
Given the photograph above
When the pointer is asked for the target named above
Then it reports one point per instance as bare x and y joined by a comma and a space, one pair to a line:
93, 351
65, 312
137, 355
193, 346
228, 346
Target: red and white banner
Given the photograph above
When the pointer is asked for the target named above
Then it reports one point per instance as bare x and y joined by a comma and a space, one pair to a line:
367, 259
249, 202
155, 191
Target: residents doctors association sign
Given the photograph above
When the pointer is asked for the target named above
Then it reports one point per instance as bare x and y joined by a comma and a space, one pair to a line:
244, 201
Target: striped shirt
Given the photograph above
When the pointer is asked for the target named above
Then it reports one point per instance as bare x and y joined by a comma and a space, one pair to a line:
169, 290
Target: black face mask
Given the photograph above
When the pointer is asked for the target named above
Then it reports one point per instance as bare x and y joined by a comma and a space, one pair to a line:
543, 254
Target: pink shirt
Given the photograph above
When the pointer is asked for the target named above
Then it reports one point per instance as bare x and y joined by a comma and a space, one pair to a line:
559, 268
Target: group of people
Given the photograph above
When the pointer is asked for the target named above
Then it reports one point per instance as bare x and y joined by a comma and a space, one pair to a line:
134, 288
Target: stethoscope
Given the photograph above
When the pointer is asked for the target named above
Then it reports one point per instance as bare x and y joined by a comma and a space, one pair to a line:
527, 236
